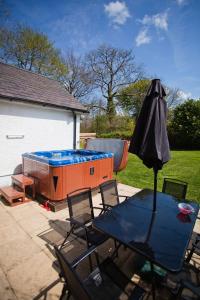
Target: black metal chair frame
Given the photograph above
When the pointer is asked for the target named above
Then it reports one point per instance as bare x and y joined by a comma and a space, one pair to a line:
69, 270
195, 247
105, 205
175, 181
87, 226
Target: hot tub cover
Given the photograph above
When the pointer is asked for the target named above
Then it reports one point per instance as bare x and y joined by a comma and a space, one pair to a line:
66, 157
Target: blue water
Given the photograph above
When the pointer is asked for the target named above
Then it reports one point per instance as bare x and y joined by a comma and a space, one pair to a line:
66, 157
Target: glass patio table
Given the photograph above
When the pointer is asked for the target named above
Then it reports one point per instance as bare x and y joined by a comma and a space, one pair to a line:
161, 237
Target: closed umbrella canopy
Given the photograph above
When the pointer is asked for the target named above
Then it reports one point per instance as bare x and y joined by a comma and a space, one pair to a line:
150, 141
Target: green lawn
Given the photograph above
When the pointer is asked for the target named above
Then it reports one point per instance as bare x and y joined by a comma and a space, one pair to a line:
184, 165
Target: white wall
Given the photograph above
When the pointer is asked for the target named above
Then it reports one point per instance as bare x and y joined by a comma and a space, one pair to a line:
43, 128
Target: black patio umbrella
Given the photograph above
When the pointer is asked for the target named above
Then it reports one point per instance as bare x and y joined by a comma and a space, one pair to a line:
150, 141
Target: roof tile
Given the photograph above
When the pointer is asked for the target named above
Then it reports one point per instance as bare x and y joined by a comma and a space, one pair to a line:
27, 86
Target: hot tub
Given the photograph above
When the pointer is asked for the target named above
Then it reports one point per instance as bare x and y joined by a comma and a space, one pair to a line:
60, 172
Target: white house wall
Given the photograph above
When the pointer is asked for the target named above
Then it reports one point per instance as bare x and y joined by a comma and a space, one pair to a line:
37, 128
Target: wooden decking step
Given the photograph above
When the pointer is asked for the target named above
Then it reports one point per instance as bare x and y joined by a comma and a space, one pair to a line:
13, 196
22, 179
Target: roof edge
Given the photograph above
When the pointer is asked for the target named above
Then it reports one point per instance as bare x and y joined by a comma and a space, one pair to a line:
16, 99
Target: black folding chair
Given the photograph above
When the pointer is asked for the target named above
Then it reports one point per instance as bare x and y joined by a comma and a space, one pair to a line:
106, 282
194, 249
175, 187
109, 194
81, 215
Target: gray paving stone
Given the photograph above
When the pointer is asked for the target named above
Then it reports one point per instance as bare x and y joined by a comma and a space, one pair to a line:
23, 212
6, 292
34, 223
10, 233
16, 251
6, 219
32, 276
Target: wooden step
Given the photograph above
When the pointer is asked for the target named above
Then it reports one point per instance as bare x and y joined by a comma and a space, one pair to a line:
22, 182
13, 196
22, 179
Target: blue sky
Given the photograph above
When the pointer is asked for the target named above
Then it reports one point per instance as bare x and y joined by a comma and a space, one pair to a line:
163, 34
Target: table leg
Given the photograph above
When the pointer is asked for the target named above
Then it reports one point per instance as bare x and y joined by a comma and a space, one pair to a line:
153, 282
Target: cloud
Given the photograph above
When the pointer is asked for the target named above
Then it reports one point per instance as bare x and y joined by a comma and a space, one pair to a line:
142, 37
117, 11
184, 95
181, 2
159, 20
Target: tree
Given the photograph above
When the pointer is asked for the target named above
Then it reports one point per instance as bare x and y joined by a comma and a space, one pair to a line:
131, 97
184, 128
78, 81
31, 50
112, 68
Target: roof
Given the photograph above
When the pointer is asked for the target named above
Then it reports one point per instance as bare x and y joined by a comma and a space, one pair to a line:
25, 86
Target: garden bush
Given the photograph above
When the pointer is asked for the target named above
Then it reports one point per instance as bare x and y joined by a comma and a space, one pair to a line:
184, 127
124, 135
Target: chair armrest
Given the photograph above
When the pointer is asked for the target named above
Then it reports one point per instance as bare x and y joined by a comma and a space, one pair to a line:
83, 256
107, 205
96, 207
100, 208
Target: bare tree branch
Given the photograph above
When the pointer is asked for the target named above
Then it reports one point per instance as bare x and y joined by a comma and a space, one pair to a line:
112, 68
78, 81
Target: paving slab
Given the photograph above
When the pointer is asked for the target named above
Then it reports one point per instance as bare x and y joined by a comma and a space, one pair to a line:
6, 219
34, 223
23, 212
10, 233
6, 292
31, 276
16, 251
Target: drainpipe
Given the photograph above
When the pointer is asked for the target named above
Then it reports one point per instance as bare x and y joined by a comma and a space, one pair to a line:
74, 133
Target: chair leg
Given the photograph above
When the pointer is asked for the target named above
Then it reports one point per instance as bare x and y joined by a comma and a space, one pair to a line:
64, 290
68, 234
190, 255
192, 250
116, 247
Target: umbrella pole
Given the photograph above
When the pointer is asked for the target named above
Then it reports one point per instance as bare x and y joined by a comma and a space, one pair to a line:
155, 188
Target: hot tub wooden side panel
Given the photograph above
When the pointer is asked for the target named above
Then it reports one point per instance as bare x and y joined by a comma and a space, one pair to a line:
55, 183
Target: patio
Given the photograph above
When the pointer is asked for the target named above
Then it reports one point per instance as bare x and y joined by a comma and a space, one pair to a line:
27, 232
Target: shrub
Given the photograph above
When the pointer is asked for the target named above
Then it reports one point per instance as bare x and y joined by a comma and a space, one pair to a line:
184, 127
101, 125
124, 135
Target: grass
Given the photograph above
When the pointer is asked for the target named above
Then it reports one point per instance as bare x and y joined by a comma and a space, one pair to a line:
184, 165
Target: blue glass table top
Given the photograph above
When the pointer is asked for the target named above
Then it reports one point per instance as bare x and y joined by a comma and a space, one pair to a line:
161, 237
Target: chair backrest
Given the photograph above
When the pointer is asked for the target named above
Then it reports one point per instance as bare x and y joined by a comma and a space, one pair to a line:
73, 282
109, 193
80, 204
118, 147
174, 187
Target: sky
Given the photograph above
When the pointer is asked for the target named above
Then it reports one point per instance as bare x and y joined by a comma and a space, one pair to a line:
164, 35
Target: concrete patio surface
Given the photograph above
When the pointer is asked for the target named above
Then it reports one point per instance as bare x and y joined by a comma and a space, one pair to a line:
27, 232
